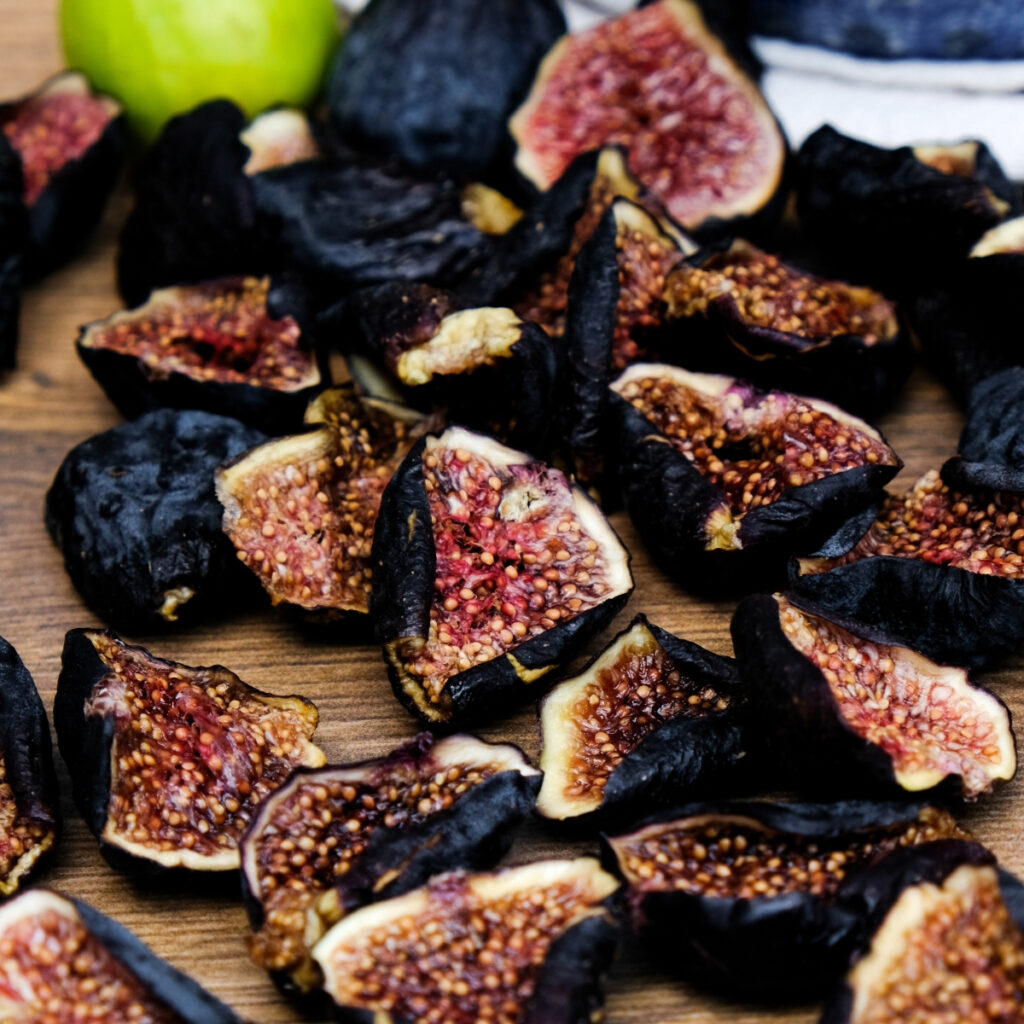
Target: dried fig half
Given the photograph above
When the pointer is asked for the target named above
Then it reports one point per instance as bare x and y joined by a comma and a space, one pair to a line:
70, 143
169, 762
527, 944
301, 510
744, 310
898, 218
100, 971
717, 472
650, 719
13, 230
212, 346
945, 948
489, 570
863, 715
939, 570
658, 81
29, 800
333, 839
134, 512
751, 896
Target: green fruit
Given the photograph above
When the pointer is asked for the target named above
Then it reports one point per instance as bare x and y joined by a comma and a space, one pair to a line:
162, 57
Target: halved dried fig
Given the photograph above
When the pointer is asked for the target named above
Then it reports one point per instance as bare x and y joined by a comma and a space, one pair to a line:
744, 310
716, 472
755, 892
658, 81
210, 346
861, 714
29, 800
333, 839
61, 960
13, 231
945, 949
301, 510
650, 719
527, 944
134, 512
489, 570
434, 86
70, 143
940, 570
169, 762
898, 218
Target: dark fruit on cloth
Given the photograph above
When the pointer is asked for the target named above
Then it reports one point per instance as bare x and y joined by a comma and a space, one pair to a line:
29, 800
864, 715
335, 838
99, 970
657, 81
527, 944
651, 719
134, 512
489, 570
717, 472
758, 890
301, 510
434, 86
211, 346
70, 144
169, 762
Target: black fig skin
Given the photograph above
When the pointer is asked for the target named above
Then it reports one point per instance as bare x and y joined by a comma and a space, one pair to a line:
434, 87
13, 227
134, 511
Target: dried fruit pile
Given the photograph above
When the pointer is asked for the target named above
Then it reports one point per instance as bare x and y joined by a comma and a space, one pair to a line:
554, 303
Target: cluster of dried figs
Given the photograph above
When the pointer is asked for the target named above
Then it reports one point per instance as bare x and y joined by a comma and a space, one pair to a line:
550, 265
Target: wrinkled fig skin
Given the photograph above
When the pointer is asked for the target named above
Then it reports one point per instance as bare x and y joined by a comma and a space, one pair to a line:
347, 224
170, 996
681, 755
194, 218
13, 226
825, 754
134, 511
274, 406
792, 945
991, 449
879, 890
451, 77
64, 215
887, 218
32, 808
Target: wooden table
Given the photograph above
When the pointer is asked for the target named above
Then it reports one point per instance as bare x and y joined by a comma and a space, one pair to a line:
51, 403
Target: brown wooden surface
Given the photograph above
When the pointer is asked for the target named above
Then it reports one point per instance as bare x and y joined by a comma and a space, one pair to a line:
51, 403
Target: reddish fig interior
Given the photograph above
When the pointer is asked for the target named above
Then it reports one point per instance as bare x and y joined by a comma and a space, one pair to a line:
21, 835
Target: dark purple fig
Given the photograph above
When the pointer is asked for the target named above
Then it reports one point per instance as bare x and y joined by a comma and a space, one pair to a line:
65, 961
717, 473
487, 368
70, 143
945, 946
336, 838
617, 309
29, 800
660, 83
898, 218
489, 571
861, 715
434, 86
169, 762
939, 570
13, 229
651, 719
751, 897
301, 510
744, 311
211, 346
134, 512
528, 944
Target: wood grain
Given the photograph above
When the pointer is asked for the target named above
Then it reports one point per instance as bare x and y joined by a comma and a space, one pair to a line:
51, 403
